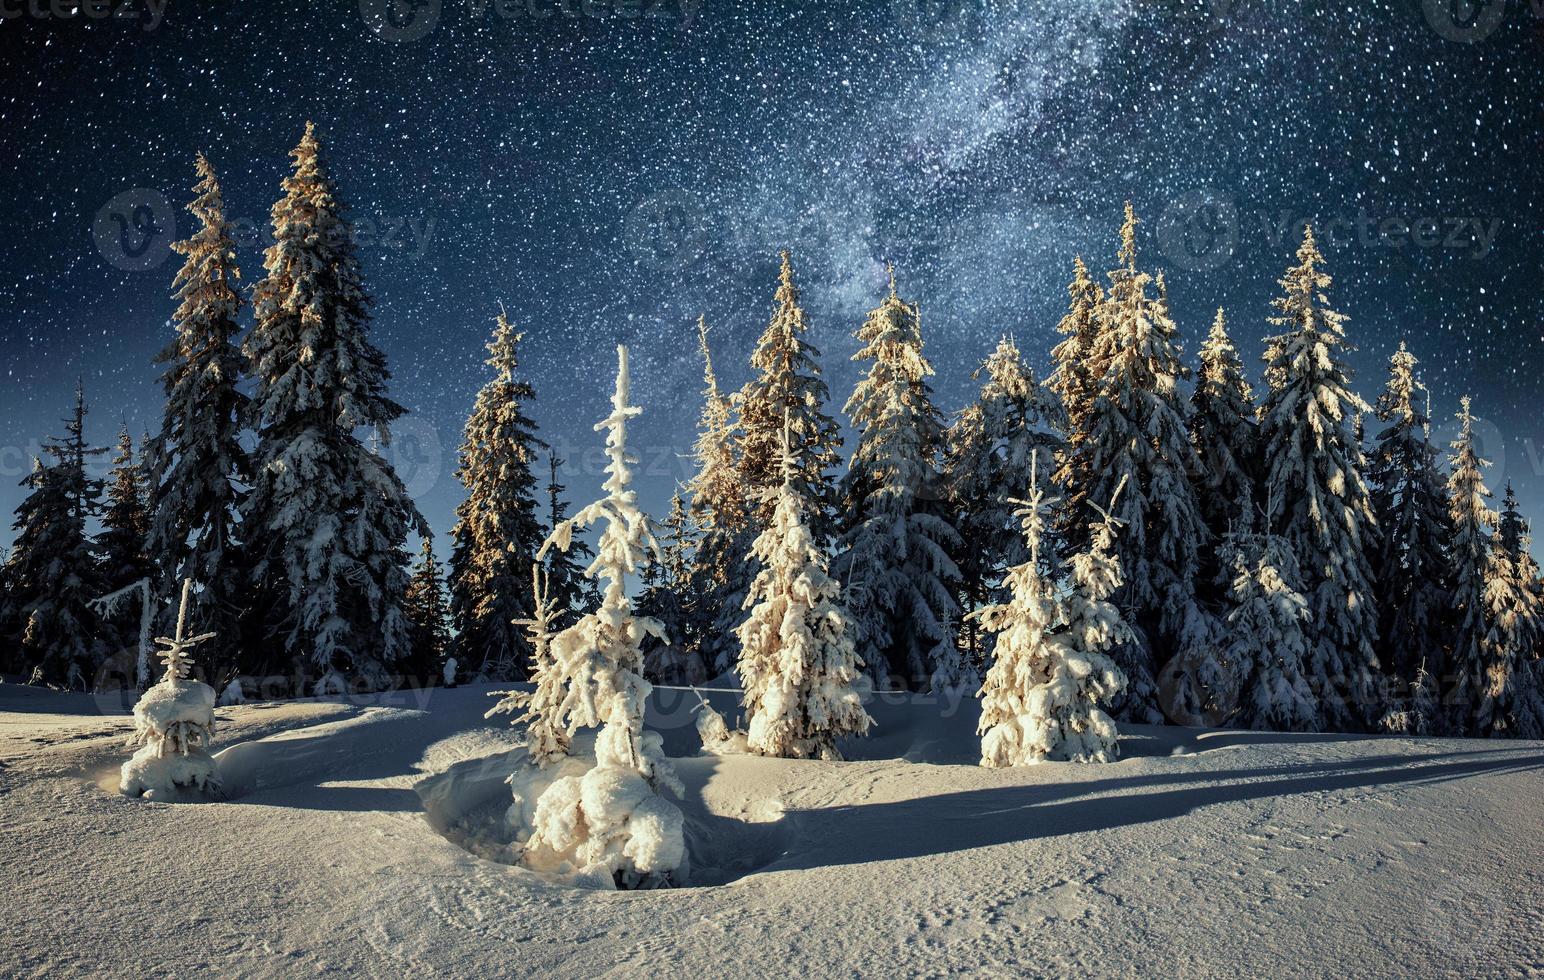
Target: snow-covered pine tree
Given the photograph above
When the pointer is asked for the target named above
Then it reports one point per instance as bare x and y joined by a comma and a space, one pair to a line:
669, 600
1267, 643
787, 383
987, 458
895, 560
497, 532
53, 574
1409, 503
1509, 703
121, 542
797, 663
327, 519
1312, 466
1514, 540
1042, 693
1512, 530
719, 578
173, 722
1466, 676
547, 740
564, 578
196, 461
425, 606
1137, 436
1075, 380
611, 819
1225, 435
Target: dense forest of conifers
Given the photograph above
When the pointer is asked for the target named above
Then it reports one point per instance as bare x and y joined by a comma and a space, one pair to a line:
1291, 556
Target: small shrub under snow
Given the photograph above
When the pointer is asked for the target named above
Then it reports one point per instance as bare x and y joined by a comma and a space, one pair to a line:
173, 722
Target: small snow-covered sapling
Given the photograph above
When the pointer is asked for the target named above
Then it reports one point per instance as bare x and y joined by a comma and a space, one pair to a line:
172, 724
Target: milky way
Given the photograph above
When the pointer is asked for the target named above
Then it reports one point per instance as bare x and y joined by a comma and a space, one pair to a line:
609, 171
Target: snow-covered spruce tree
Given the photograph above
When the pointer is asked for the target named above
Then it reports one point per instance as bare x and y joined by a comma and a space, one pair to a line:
565, 579
196, 461
787, 383
121, 542
1312, 468
895, 559
986, 465
173, 722
327, 519
1509, 704
1514, 541
1042, 693
497, 532
719, 509
1225, 435
1137, 436
668, 599
1075, 381
1466, 676
428, 613
1267, 645
797, 663
53, 574
611, 819
1410, 505
540, 709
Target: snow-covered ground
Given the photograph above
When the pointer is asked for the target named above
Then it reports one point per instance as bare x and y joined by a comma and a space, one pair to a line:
345, 847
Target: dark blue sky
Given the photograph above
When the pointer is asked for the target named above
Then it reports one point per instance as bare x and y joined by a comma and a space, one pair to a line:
607, 177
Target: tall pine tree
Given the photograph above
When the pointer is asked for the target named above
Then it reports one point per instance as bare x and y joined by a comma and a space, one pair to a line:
1226, 438
1075, 380
121, 542
53, 574
196, 462
1137, 437
566, 586
787, 384
1410, 505
497, 532
667, 597
427, 611
1310, 423
895, 558
327, 518
987, 462
1466, 676
719, 578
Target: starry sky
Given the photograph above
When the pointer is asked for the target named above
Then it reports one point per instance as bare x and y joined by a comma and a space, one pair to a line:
608, 170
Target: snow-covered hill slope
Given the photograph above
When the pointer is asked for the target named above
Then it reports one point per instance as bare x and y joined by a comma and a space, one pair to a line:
346, 847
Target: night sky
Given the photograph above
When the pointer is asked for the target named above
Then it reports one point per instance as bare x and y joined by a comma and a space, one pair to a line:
609, 176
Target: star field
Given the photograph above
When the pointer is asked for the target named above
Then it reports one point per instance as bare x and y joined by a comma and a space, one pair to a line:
608, 171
